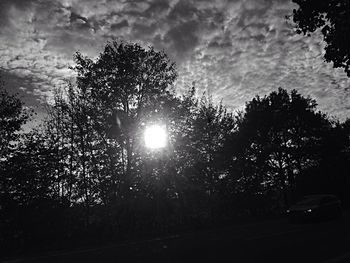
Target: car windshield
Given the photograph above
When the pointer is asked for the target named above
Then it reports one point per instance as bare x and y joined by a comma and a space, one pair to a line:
309, 201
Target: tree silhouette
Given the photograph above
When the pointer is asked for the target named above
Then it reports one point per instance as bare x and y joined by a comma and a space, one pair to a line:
97, 128
12, 117
332, 18
119, 89
278, 136
212, 126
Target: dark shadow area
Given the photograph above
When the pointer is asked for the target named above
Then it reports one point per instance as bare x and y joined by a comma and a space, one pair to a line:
86, 176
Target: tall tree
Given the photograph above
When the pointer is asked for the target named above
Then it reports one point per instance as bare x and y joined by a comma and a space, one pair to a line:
279, 136
96, 128
119, 89
200, 136
13, 116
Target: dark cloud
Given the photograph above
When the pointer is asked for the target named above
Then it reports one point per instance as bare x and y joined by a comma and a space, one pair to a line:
6, 7
182, 38
156, 8
144, 31
24, 87
117, 26
183, 11
76, 18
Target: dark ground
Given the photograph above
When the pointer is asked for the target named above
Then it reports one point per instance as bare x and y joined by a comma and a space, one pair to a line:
268, 241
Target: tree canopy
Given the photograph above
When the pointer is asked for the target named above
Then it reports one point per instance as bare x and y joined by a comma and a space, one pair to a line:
279, 136
12, 117
333, 19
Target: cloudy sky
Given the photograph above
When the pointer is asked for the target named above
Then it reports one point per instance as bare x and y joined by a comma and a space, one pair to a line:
233, 49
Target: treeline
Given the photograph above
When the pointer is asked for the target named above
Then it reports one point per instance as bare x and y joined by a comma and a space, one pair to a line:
85, 173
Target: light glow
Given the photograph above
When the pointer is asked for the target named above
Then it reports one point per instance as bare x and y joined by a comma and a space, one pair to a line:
155, 137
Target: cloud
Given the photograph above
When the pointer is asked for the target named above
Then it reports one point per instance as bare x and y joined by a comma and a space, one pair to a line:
232, 49
182, 38
257, 52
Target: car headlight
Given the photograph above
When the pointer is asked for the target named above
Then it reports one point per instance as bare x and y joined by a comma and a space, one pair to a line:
309, 210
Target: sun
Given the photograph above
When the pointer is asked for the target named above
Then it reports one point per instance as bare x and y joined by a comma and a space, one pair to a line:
155, 137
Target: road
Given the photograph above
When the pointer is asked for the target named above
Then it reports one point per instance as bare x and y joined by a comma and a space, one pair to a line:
269, 241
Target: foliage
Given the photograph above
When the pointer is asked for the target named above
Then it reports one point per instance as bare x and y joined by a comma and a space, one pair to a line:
125, 87
332, 18
279, 135
12, 117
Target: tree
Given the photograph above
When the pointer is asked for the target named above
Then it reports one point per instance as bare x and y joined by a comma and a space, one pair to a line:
331, 173
200, 133
332, 18
278, 137
125, 86
12, 117
96, 128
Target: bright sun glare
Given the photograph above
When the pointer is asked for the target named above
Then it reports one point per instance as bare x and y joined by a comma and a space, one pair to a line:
155, 137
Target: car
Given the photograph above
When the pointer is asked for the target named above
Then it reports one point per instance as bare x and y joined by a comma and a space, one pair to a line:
314, 208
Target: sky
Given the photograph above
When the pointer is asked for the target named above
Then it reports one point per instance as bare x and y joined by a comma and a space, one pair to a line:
231, 49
